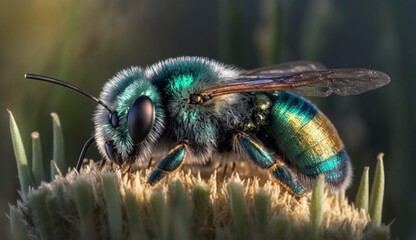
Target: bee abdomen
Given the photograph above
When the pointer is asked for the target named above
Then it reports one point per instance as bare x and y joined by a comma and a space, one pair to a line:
309, 140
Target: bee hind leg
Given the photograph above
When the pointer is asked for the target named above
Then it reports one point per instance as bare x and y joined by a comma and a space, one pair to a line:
261, 157
170, 163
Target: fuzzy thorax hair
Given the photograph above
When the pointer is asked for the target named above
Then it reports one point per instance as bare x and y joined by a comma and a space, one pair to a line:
203, 125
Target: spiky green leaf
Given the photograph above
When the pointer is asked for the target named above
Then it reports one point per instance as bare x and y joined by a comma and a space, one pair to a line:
361, 200
113, 205
23, 169
316, 208
377, 192
17, 225
37, 159
262, 206
238, 209
58, 143
84, 201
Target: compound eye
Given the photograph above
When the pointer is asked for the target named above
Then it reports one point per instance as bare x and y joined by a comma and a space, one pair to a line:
140, 119
112, 153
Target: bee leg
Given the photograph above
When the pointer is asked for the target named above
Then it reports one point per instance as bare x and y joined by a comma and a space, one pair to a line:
264, 160
224, 171
102, 163
170, 163
233, 168
125, 168
150, 162
219, 166
286, 179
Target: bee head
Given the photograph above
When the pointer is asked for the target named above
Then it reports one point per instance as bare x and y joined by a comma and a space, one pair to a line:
129, 132
140, 120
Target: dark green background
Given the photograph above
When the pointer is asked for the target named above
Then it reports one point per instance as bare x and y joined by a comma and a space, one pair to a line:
86, 43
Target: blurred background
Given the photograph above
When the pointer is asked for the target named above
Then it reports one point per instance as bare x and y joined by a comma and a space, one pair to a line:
88, 43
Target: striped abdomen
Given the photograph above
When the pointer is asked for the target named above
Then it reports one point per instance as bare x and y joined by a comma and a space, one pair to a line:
306, 136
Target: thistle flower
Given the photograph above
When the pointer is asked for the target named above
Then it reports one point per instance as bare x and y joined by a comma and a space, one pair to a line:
192, 203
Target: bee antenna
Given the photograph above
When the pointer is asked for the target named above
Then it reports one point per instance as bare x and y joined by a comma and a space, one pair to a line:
67, 85
83, 152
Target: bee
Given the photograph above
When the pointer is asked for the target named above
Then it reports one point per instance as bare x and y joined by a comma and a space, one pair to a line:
197, 109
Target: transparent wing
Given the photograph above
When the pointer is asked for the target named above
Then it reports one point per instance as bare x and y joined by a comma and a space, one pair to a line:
349, 81
342, 82
287, 68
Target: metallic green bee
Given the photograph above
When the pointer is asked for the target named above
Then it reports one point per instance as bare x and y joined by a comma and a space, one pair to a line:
198, 109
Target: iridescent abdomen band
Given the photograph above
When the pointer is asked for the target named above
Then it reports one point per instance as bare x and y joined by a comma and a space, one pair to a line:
308, 138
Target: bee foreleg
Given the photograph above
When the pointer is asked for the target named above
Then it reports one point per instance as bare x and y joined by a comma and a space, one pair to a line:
102, 163
261, 157
169, 164
150, 162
